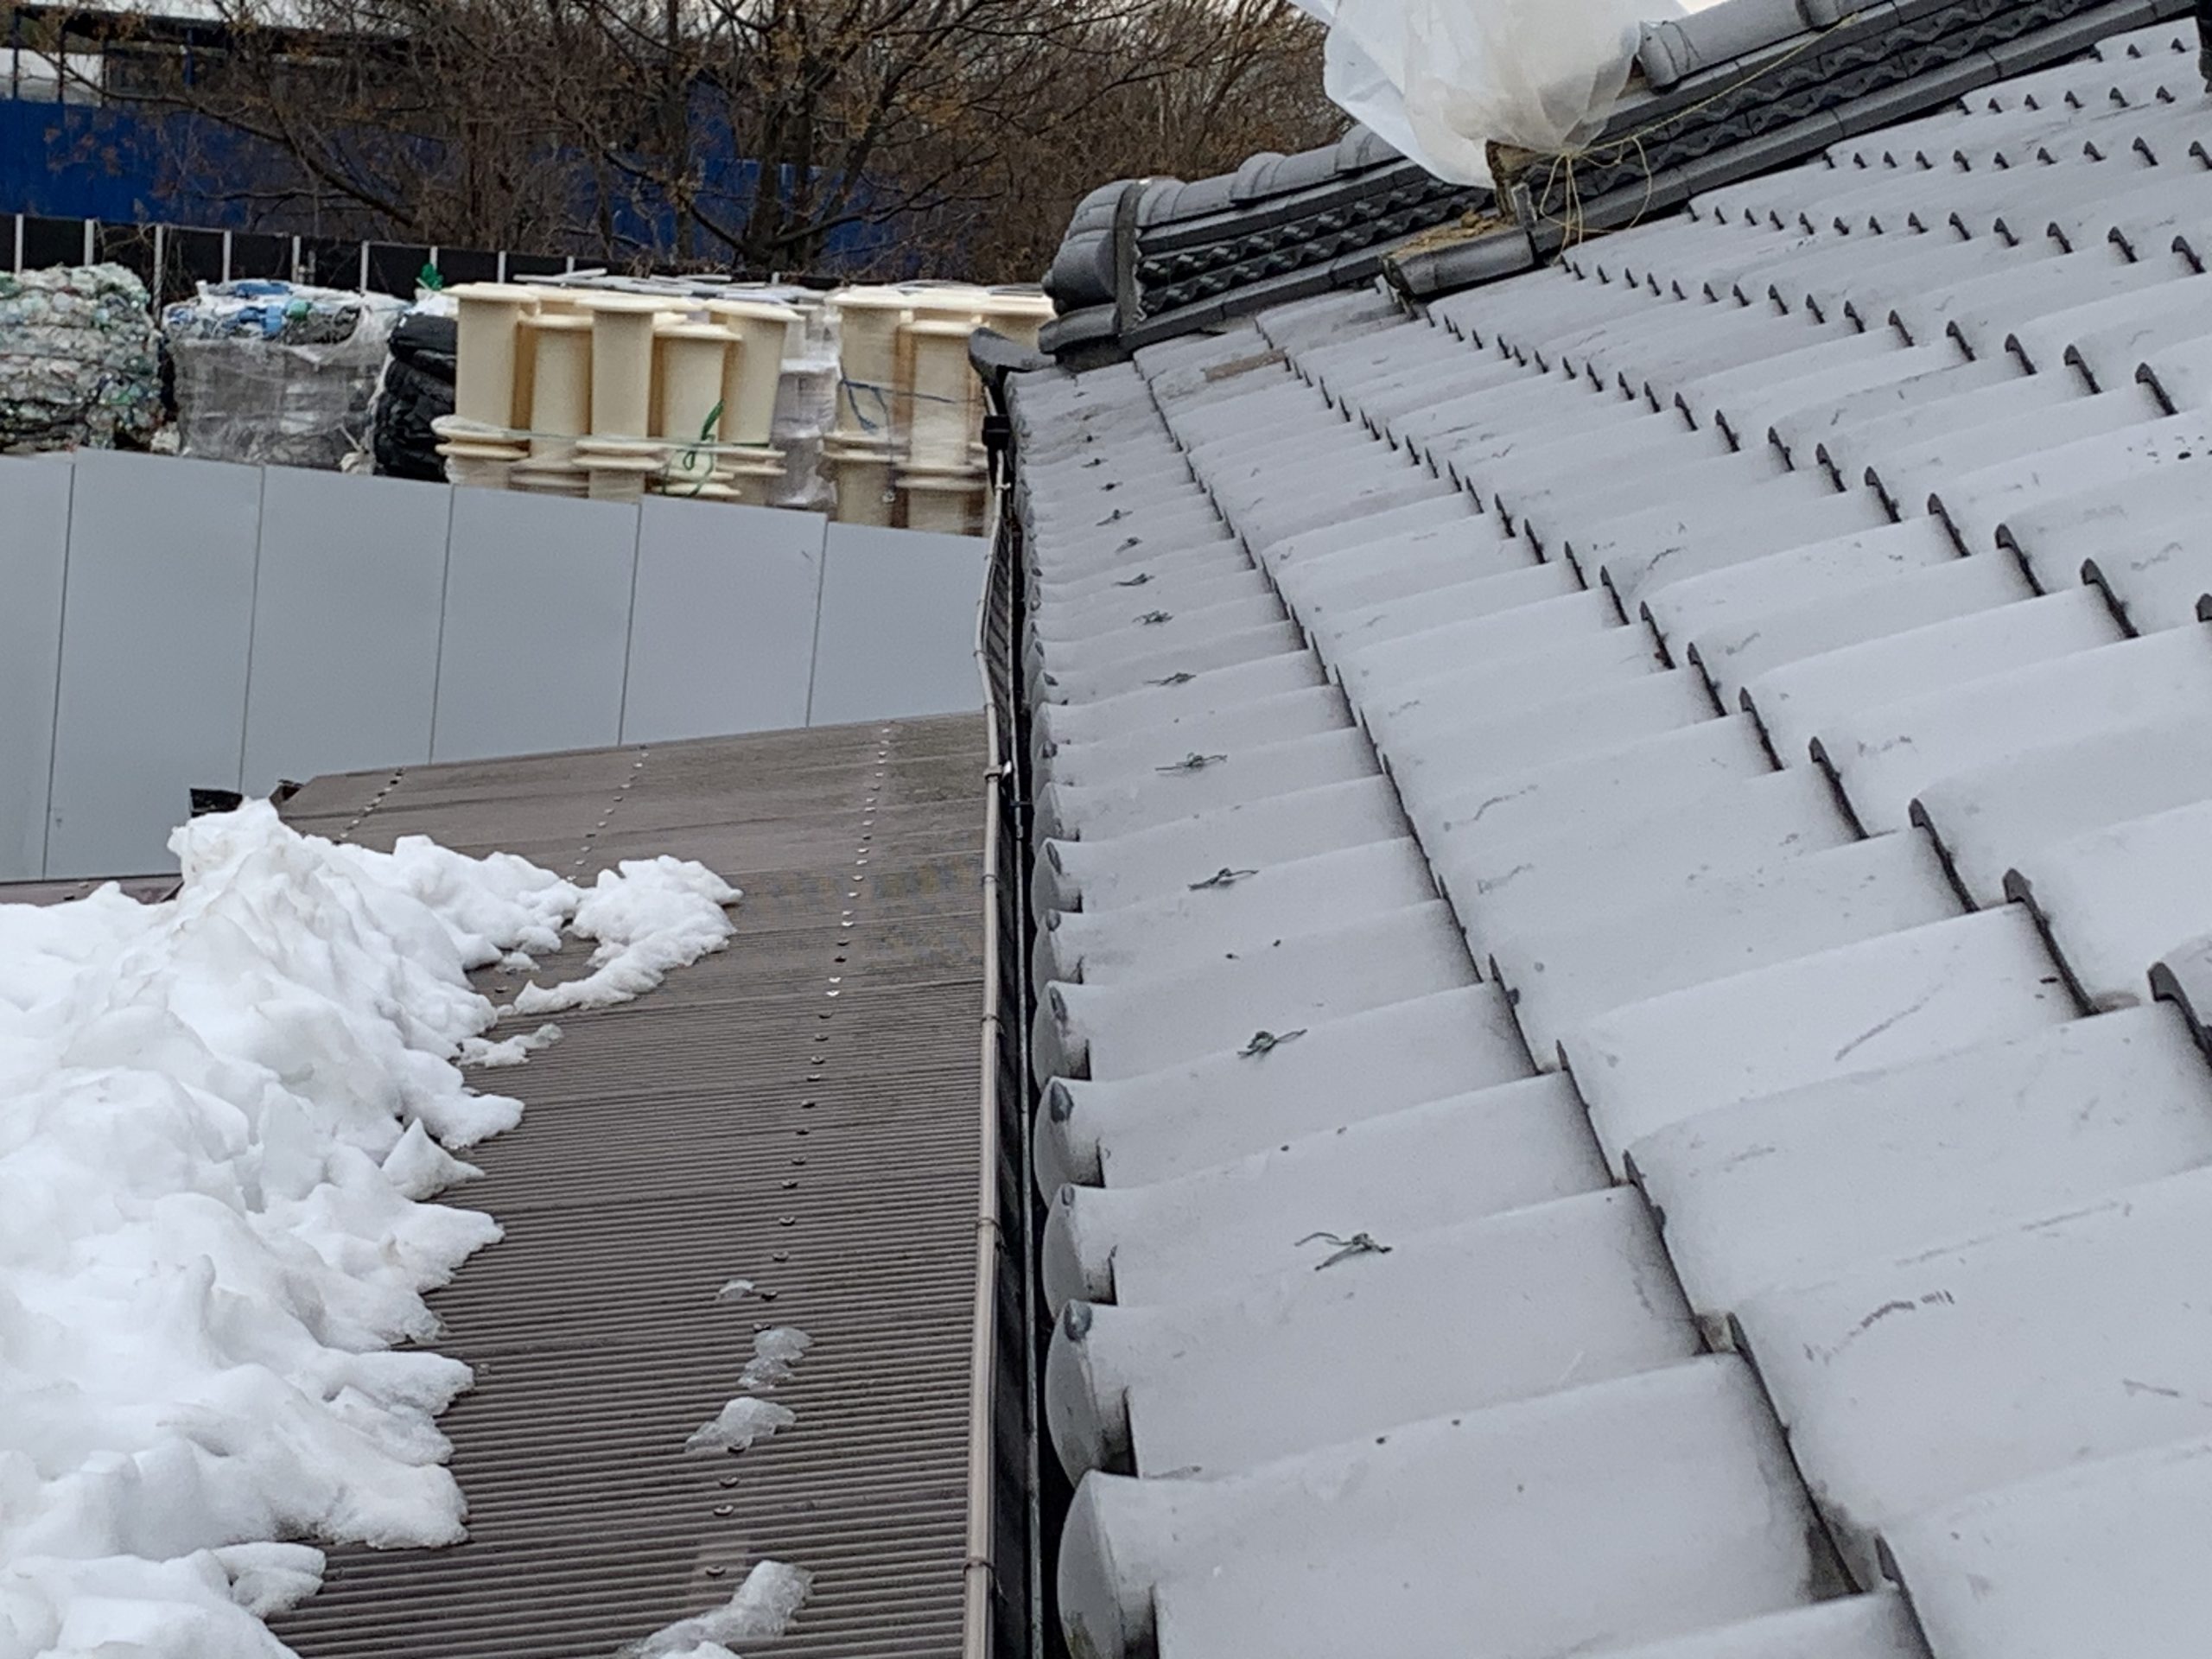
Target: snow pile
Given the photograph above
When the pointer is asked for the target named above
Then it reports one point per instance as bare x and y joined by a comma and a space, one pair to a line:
763, 1606
653, 915
219, 1118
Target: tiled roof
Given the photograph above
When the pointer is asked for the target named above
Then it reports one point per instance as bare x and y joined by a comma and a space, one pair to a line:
1729, 92
1625, 937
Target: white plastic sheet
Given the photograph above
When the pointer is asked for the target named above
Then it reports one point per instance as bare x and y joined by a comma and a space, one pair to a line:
1440, 80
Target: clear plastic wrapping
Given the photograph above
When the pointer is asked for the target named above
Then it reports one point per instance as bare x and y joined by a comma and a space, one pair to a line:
275, 373
1440, 79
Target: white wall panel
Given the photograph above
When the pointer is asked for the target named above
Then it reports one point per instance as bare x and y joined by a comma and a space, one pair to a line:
157, 621
723, 639
346, 624
538, 624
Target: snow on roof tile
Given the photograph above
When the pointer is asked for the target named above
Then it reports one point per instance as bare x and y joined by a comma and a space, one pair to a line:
1899, 449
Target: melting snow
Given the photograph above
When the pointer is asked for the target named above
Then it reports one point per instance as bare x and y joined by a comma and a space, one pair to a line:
763, 1606
481, 1051
219, 1119
775, 1351
740, 1425
653, 915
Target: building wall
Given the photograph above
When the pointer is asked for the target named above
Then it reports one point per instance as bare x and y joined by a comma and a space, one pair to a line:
167, 625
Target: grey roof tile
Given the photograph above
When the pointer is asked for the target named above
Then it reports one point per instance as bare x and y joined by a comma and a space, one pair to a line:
1975, 503
1391, 1177
1719, 520
1479, 835
1690, 606
2043, 1568
1874, 1626
1134, 673
1441, 518
1063, 614
1901, 997
1285, 985
1993, 817
1813, 1060
1100, 636
1338, 631
1167, 1387
1192, 1116
1886, 753
1430, 765
2116, 899
1792, 1188
1535, 652
1561, 882
1135, 747
1801, 415
1444, 1525
1817, 696
1182, 785
1332, 586
1563, 976
1758, 639
2106, 339
1218, 690
1911, 1384
1211, 919
1903, 453
1111, 870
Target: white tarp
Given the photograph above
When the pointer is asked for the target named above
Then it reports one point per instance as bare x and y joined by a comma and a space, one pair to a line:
1439, 79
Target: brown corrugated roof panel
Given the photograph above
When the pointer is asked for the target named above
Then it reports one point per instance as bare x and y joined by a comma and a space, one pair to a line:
801, 1110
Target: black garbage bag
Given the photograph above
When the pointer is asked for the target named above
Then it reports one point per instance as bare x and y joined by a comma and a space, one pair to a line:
417, 389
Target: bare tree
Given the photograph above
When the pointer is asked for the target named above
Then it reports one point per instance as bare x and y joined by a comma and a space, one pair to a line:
950, 135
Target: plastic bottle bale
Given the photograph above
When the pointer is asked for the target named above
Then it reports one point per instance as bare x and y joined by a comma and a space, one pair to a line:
79, 361
277, 373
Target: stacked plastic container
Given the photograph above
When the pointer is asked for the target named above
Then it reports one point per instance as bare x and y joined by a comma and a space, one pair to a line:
614, 389
908, 446
611, 390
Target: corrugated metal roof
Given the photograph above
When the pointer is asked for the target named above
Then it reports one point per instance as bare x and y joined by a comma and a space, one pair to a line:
147, 889
801, 1110
1776, 630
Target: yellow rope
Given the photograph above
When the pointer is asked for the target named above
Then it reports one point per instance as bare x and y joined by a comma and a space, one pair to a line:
1564, 162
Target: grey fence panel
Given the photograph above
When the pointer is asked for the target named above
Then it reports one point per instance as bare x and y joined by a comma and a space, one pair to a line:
346, 624
33, 555
157, 622
898, 631
538, 624
723, 639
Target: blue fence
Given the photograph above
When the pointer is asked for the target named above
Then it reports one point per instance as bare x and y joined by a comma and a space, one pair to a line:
64, 166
